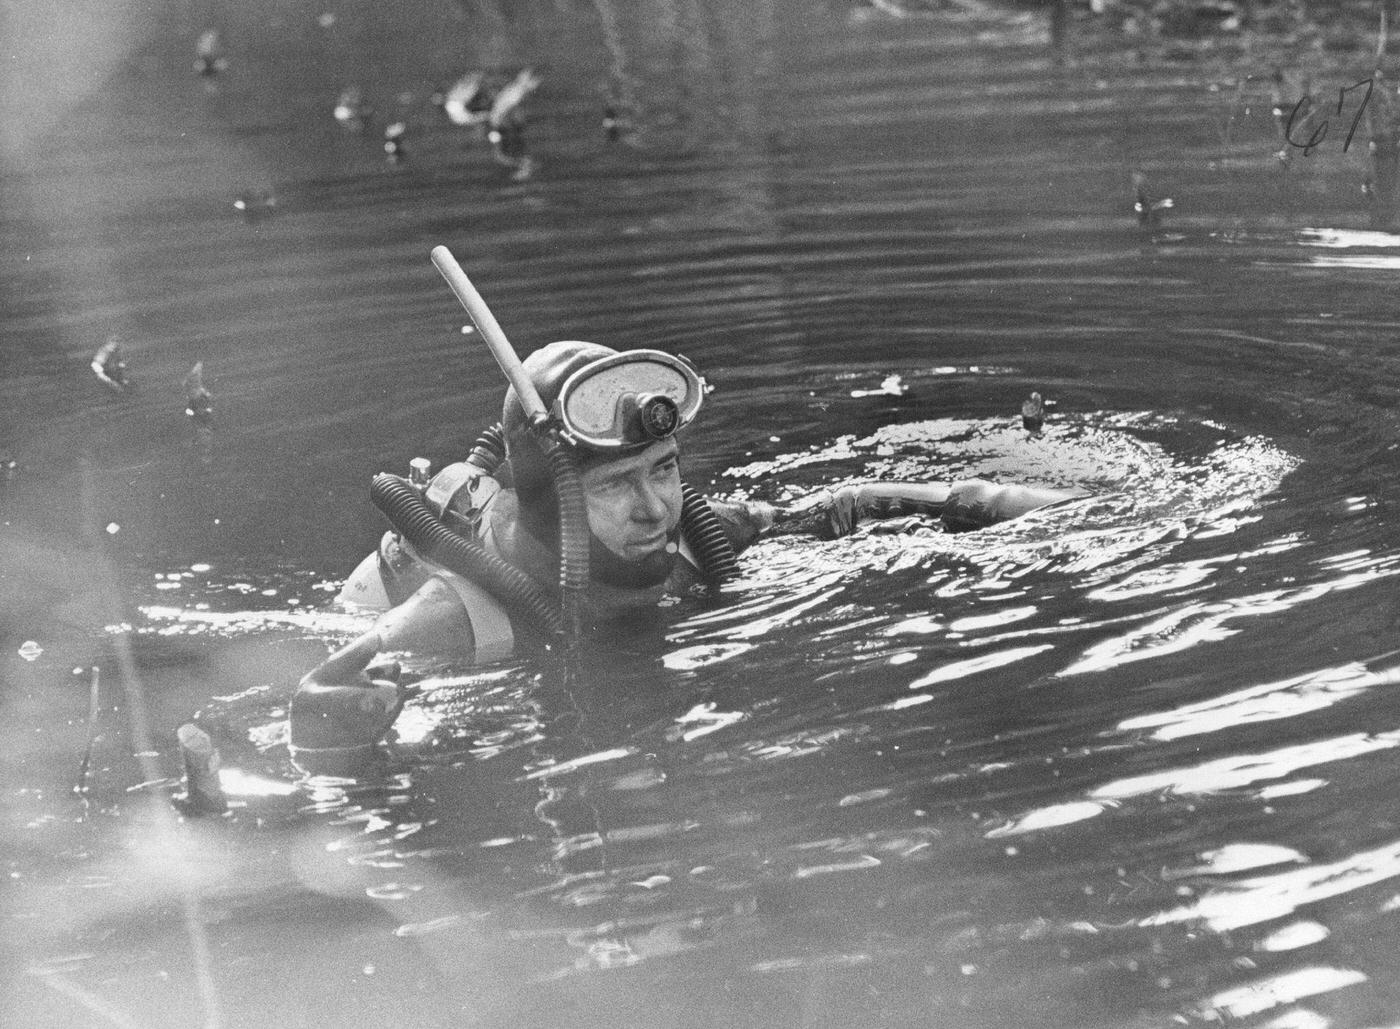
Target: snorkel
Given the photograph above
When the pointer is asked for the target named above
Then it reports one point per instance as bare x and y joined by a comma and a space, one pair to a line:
574, 539
604, 402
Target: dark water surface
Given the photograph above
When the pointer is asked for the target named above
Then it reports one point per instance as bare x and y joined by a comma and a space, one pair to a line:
1126, 763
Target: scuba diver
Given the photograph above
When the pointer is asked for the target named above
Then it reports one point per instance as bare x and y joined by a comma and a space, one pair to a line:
579, 484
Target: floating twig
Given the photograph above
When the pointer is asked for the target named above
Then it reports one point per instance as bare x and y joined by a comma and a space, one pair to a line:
1149, 208
199, 402
467, 101
80, 787
351, 110
256, 204
110, 367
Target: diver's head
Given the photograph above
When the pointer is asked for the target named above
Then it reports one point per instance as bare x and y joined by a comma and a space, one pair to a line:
619, 412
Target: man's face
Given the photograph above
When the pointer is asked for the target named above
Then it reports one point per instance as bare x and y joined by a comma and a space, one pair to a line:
634, 502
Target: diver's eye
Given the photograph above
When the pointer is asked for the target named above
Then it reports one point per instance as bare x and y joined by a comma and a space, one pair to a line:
610, 487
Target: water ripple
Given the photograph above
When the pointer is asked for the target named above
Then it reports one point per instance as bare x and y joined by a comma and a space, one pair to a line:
1240, 770
975, 665
1278, 990
1287, 698
1206, 622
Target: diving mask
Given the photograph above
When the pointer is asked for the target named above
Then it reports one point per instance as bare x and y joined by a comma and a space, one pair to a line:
628, 399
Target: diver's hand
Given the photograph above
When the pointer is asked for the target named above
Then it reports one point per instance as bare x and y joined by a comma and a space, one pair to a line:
344, 704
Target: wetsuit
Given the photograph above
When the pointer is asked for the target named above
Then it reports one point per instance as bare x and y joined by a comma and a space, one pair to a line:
460, 619
341, 710
395, 575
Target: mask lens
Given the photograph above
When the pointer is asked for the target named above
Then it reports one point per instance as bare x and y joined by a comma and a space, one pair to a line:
628, 399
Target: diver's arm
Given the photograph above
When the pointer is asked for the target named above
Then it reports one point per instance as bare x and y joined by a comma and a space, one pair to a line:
976, 503
831, 514
968, 504
343, 706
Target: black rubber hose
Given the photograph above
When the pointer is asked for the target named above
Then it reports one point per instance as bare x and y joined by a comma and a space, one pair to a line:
706, 537
489, 450
575, 537
575, 543
416, 522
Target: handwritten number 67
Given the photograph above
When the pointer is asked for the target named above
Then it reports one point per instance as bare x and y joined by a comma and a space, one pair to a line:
1321, 132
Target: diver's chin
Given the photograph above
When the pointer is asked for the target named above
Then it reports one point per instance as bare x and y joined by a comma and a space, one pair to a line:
649, 568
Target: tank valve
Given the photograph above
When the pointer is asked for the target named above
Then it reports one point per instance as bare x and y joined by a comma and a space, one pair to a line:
419, 472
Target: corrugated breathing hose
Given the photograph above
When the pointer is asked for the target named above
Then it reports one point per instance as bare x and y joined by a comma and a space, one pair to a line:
438, 543
702, 530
